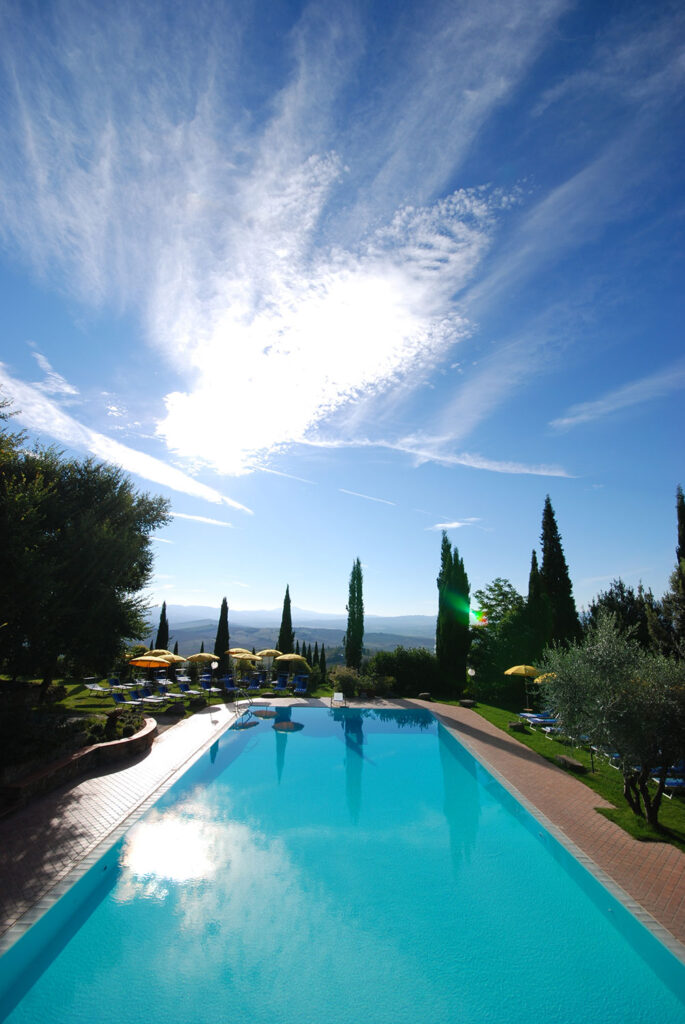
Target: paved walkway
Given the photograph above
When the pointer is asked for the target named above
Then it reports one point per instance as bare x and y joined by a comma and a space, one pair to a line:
42, 843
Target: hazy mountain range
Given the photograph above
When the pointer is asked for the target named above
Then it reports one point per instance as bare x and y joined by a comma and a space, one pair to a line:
190, 625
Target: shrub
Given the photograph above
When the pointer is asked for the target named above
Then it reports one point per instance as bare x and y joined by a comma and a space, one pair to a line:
405, 672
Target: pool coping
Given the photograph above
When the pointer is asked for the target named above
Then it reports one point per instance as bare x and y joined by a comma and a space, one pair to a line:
659, 931
18, 929
38, 909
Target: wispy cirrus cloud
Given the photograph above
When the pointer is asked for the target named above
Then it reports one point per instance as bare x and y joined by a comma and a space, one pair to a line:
367, 497
202, 519
53, 383
38, 412
424, 449
293, 269
656, 385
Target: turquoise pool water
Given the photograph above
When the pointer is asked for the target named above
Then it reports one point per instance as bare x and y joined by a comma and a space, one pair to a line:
340, 866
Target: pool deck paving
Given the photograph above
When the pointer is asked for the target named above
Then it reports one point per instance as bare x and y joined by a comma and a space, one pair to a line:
44, 844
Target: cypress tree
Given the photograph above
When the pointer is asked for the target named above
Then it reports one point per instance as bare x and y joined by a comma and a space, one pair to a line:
556, 582
322, 664
354, 638
286, 636
162, 641
538, 613
316, 653
202, 647
175, 651
222, 642
452, 634
297, 647
666, 618
678, 579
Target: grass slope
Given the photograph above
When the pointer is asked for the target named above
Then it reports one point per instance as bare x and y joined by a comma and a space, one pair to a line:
605, 780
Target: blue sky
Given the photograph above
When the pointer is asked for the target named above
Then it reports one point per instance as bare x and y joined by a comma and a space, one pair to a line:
334, 278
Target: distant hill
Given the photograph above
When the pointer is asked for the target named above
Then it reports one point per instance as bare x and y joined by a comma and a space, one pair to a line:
190, 625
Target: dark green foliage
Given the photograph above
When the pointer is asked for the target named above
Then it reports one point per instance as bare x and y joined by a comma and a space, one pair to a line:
412, 671
315, 660
297, 647
537, 620
354, 638
498, 599
630, 610
556, 582
75, 554
202, 647
667, 617
222, 642
175, 651
322, 664
452, 634
162, 638
286, 635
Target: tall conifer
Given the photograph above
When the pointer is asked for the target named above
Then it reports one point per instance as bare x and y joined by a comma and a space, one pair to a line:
556, 582
666, 618
538, 613
354, 638
452, 634
322, 664
316, 653
222, 642
162, 640
286, 636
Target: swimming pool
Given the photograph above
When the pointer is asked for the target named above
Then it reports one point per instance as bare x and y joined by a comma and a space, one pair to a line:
340, 866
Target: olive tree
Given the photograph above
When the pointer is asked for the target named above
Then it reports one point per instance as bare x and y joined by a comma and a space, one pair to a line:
628, 701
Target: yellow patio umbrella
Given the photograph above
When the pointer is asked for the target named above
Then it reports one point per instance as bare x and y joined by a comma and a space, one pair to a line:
202, 656
523, 670
159, 652
172, 659
241, 656
237, 650
545, 677
527, 671
268, 655
289, 658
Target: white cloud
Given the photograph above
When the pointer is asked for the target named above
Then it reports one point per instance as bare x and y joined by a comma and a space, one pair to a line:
435, 449
40, 413
201, 519
54, 383
161, 540
217, 224
356, 494
657, 385
455, 524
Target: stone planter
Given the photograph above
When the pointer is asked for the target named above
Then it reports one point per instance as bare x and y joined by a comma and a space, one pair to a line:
50, 776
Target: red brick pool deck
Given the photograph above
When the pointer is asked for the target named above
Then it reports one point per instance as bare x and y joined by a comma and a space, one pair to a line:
42, 843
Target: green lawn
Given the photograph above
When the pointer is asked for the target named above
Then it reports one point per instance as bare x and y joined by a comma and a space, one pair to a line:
605, 780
